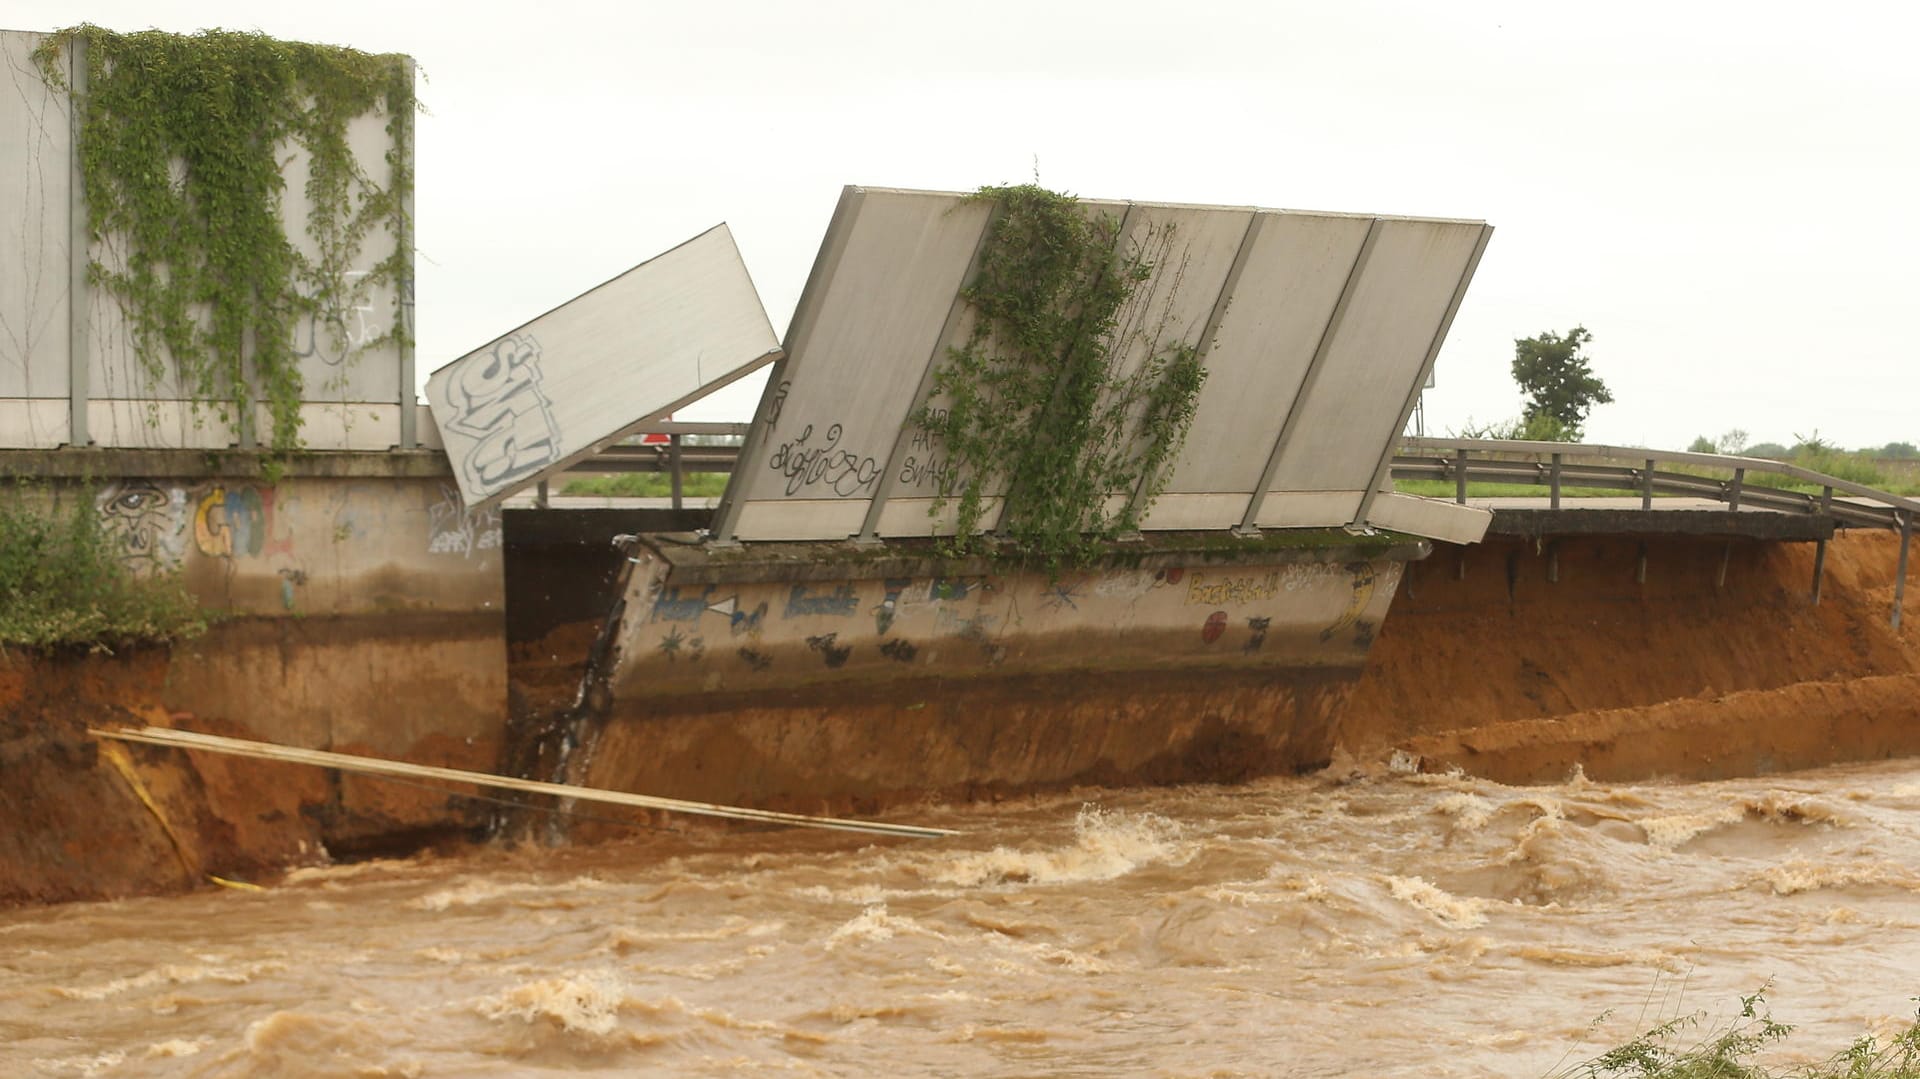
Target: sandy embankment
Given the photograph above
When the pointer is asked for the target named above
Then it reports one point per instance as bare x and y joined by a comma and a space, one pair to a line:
1507, 675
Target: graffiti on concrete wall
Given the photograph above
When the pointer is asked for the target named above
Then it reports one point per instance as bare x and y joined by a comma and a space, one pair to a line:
1364, 582
673, 604
239, 521
454, 529
144, 523
1257, 633
1243, 615
803, 602
497, 399
833, 653
1215, 589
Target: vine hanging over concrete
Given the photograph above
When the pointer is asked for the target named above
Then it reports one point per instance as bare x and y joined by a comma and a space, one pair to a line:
1035, 406
181, 144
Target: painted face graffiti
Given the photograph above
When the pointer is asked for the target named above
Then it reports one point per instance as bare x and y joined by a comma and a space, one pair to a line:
146, 523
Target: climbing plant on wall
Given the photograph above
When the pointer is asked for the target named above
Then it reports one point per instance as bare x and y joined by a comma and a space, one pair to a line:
1036, 404
182, 142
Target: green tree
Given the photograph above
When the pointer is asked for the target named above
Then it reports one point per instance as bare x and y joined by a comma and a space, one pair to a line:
1557, 380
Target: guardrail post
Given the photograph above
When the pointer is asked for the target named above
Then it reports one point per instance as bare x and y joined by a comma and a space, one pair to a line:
673, 460
1826, 501
540, 495
1646, 486
1553, 483
1819, 567
1900, 574
1733, 492
1460, 476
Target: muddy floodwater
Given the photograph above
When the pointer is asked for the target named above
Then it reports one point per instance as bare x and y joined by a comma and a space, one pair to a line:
1332, 925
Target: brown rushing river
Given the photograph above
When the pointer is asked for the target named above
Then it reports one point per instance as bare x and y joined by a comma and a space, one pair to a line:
1420, 925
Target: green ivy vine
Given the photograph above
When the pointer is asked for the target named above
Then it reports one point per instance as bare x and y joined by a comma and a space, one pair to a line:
1035, 404
181, 145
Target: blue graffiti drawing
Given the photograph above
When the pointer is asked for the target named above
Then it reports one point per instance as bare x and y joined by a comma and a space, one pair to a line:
839, 602
747, 622
671, 606
883, 615
496, 398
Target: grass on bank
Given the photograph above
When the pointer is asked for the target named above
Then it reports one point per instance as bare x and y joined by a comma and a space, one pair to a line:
647, 485
1446, 489
62, 582
1681, 1049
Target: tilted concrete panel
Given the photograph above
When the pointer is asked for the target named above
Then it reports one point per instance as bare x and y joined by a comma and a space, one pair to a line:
589, 372
1296, 268
1314, 330
879, 325
1376, 353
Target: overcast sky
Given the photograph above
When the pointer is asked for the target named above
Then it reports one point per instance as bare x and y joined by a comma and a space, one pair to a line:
1727, 196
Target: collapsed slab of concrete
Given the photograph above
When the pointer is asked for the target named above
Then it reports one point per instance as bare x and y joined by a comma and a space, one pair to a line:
813, 675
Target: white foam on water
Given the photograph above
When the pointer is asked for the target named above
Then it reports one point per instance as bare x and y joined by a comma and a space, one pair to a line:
97, 1064
581, 1002
623, 939
1106, 844
177, 1047
347, 871
1800, 875
873, 925
172, 974
1470, 812
1786, 807
471, 893
316, 1043
1452, 911
1279, 886
1673, 831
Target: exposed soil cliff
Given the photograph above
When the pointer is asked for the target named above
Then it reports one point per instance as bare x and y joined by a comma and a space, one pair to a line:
1705, 669
84, 818
1486, 664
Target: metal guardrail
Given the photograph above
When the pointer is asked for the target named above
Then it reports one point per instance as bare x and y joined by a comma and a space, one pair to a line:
1557, 465
675, 457
1553, 465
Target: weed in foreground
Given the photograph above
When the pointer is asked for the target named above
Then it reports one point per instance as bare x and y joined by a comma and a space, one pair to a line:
61, 583
1685, 1048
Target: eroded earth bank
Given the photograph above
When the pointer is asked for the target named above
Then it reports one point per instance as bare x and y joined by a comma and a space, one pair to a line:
1710, 662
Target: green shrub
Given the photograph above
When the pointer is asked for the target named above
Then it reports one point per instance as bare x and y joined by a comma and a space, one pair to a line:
62, 583
1682, 1049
